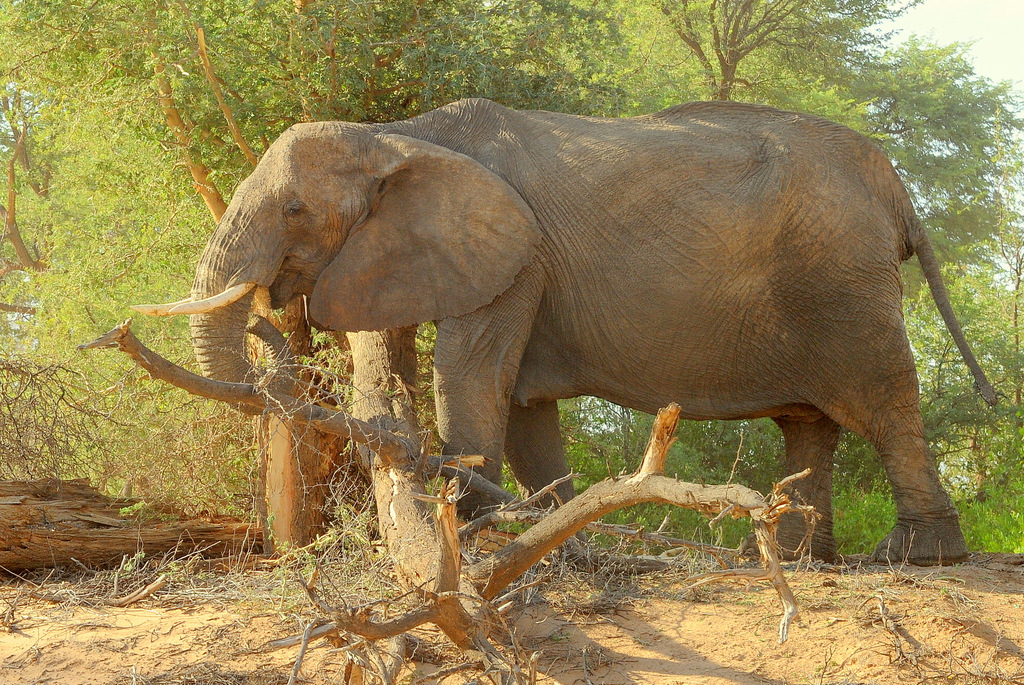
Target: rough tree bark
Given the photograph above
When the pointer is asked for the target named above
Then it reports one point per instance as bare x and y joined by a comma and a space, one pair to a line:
297, 460
48, 523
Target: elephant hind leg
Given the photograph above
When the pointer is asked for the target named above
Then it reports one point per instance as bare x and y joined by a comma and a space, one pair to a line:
810, 442
884, 408
533, 446
927, 529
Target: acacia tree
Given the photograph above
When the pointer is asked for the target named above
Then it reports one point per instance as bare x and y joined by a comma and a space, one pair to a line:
764, 35
945, 127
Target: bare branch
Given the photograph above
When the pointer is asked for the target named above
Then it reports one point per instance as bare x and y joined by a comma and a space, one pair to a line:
684, 29
9, 213
497, 571
662, 438
17, 309
140, 594
470, 479
386, 444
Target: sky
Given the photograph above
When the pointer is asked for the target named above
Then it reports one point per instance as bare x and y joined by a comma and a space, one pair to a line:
996, 26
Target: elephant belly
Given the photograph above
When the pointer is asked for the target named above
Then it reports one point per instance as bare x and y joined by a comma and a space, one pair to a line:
750, 351
545, 375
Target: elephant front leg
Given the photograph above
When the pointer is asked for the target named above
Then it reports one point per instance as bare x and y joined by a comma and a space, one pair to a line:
476, 361
810, 444
471, 421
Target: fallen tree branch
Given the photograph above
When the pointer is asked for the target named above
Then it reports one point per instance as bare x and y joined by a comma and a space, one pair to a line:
494, 573
512, 511
425, 545
493, 518
139, 594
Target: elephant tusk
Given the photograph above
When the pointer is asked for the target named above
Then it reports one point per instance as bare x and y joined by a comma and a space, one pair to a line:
159, 309
208, 304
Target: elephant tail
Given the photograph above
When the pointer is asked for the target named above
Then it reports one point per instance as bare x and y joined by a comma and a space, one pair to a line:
932, 273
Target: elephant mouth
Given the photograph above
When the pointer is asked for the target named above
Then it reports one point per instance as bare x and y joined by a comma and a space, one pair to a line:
288, 285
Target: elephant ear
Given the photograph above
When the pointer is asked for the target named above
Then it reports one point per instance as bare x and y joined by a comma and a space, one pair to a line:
444, 236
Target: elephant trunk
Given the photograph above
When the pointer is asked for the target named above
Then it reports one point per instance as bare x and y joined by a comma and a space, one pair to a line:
218, 336
218, 339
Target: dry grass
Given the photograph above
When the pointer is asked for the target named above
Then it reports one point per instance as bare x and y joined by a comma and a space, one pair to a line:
592, 624
204, 674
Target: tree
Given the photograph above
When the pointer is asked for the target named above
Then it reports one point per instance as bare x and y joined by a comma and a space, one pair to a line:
808, 37
944, 126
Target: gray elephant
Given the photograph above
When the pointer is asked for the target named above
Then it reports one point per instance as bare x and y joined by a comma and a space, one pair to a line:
737, 259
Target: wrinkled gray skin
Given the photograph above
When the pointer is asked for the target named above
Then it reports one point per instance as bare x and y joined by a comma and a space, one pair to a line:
739, 260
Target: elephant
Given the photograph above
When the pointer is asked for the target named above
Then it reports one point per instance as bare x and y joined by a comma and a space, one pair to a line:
740, 260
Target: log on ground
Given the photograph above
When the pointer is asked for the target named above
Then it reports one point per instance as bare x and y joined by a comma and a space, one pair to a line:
47, 523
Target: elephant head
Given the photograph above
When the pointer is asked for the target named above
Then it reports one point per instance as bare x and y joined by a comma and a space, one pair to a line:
379, 230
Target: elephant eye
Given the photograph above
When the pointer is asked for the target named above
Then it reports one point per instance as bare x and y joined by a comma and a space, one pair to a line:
292, 209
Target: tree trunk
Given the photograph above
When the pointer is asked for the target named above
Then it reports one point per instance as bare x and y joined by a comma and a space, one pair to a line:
298, 460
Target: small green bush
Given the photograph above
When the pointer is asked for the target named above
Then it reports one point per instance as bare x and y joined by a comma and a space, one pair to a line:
862, 518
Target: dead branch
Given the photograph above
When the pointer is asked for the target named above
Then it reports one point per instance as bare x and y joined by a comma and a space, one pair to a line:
512, 511
496, 572
493, 518
469, 480
302, 653
139, 594
384, 443
425, 545
547, 489
317, 629
236, 132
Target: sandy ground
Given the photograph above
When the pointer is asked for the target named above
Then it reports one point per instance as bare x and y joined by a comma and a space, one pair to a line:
860, 624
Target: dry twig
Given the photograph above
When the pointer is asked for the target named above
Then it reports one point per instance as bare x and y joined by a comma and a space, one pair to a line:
139, 594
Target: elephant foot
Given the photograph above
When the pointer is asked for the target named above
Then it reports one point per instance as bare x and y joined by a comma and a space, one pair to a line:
791, 532
936, 541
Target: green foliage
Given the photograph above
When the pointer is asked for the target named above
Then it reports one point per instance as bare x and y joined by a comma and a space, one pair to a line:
118, 109
943, 125
996, 523
862, 518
